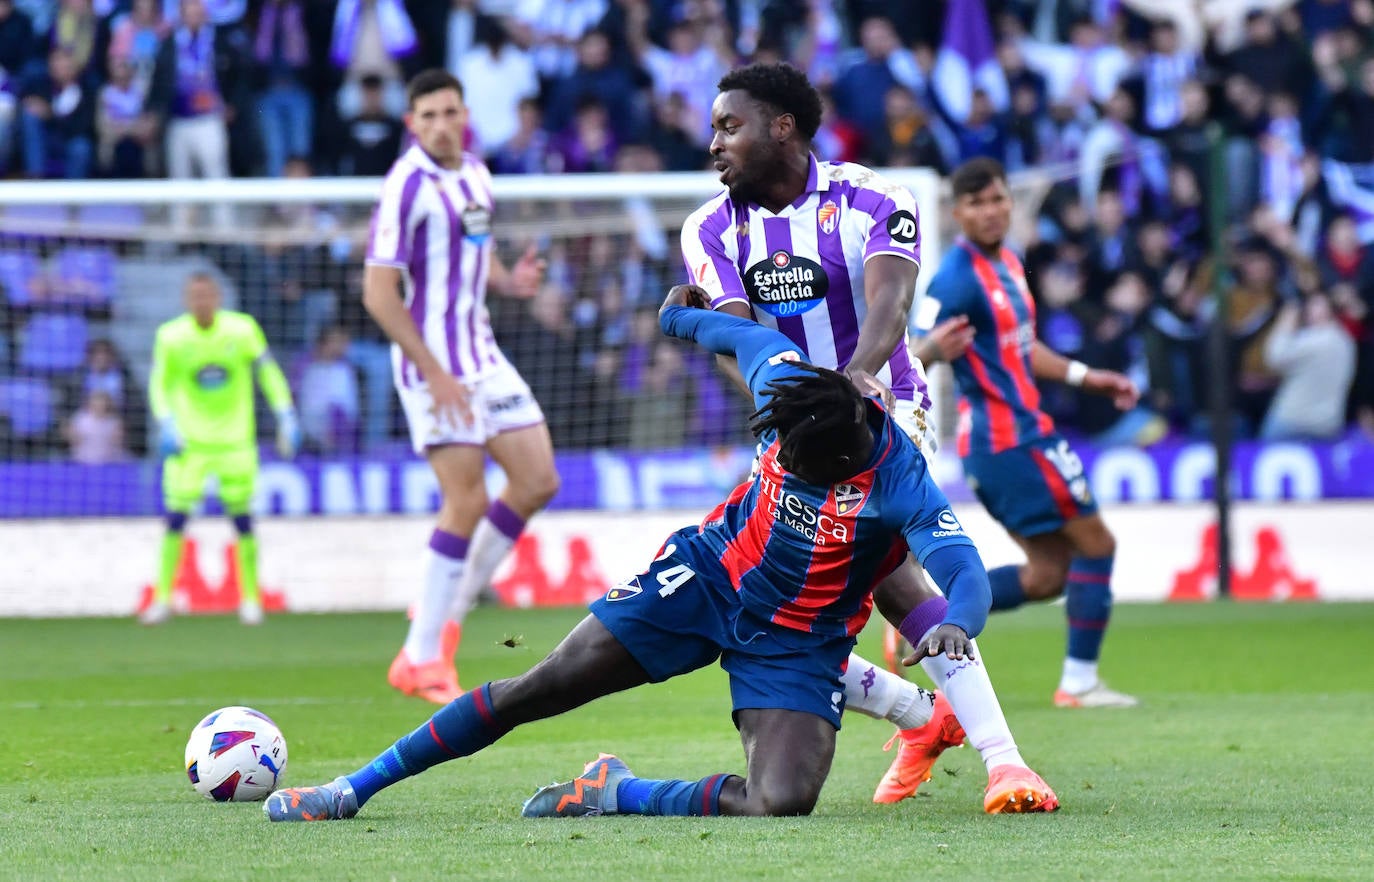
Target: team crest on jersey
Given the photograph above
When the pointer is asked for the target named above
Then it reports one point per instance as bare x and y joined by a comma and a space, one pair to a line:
786, 285
624, 591
212, 376
848, 498
829, 216
476, 223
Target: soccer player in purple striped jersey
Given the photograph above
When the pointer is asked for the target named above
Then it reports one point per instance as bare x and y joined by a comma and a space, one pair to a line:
827, 253
775, 587
429, 265
1023, 471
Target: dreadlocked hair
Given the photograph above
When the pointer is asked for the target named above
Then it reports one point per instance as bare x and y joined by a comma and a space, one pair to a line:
819, 418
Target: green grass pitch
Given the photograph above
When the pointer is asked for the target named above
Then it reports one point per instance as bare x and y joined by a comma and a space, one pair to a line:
1246, 761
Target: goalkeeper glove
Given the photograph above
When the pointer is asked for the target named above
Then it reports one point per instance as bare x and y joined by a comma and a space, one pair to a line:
169, 441
288, 434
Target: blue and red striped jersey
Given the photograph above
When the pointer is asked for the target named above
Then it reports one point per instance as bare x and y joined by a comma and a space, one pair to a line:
999, 404
805, 556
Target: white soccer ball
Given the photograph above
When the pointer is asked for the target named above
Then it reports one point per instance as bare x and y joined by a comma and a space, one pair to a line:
236, 754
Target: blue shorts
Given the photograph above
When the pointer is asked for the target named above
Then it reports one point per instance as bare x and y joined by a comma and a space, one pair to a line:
1035, 488
682, 614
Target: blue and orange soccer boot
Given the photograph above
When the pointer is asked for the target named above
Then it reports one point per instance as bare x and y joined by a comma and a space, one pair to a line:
917, 751
1016, 789
435, 680
328, 802
591, 794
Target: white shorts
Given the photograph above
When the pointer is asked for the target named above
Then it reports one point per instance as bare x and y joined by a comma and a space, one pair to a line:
501, 402
917, 425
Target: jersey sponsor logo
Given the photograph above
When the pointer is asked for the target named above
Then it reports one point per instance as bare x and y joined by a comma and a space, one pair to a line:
792, 511
476, 223
624, 591
212, 376
1020, 337
829, 216
949, 525
510, 402
901, 226
790, 355
848, 498
786, 285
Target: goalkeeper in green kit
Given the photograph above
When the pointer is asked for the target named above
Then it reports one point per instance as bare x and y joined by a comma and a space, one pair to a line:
201, 394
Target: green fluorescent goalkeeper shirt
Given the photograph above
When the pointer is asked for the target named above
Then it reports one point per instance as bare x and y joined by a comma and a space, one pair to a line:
203, 378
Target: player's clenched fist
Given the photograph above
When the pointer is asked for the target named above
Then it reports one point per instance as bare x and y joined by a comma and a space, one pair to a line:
689, 296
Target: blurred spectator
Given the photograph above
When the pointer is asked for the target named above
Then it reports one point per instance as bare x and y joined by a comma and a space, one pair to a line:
369, 351
983, 133
78, 30
1281, 151
1344, 261
1253, 301
1163, 72
7, 112
1353, 103
373, 37
1245, 121
867, 76
550, 29
1185, 213
106, 371
136, 35
373, 137
837, 140
329, 399
588, 145
596, 75
1137, 165
1187, 140
460, 32
58, 120
674, 136
1086, 69
690, 66
527, 151
95, 433
285, 114
1314, 357
1268, 57
197, 67
661, 403
1175, 344
124, 133
496, 74
1111, 244
16, 40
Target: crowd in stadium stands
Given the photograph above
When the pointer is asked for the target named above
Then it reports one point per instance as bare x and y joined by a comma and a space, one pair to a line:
1113, 100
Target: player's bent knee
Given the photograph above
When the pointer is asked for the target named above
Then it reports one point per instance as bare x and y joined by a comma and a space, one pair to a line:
1042, 580
780, 801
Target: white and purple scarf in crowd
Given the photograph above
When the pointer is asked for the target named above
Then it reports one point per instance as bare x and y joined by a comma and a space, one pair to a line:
287, 17
398, 34
1352, 187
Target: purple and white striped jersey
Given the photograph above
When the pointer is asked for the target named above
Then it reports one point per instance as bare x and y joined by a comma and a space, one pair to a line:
802, 269
435, 225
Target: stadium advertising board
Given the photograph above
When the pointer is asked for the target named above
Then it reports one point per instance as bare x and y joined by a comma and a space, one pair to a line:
1286, 552
684, 480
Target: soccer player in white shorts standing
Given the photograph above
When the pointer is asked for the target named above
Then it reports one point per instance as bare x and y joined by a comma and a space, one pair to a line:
827, 253
429, 263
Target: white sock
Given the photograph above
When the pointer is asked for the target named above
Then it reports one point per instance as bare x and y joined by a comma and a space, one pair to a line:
1079, 675
441, 582
875, 692
488, 548
969, 692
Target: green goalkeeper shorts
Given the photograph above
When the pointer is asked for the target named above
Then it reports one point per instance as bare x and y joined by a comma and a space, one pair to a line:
235, 469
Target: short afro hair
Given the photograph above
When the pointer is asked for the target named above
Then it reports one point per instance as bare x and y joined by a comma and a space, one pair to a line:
780, 86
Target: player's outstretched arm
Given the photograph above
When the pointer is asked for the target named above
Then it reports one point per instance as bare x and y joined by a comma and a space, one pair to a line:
1050, 365
889, 286
686, 315
169, 440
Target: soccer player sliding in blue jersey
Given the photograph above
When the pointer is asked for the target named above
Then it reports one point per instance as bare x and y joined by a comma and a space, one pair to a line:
1025, 473
776, 584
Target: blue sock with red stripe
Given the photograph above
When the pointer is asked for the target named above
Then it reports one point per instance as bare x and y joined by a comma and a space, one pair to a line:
645, 796
1088, 603
1007, 592
460, 728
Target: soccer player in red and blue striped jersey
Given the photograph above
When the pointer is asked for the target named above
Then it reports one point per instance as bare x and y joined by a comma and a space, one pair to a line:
1023, 471
775, 585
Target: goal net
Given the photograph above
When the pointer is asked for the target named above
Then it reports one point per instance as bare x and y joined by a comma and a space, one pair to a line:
89, 270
